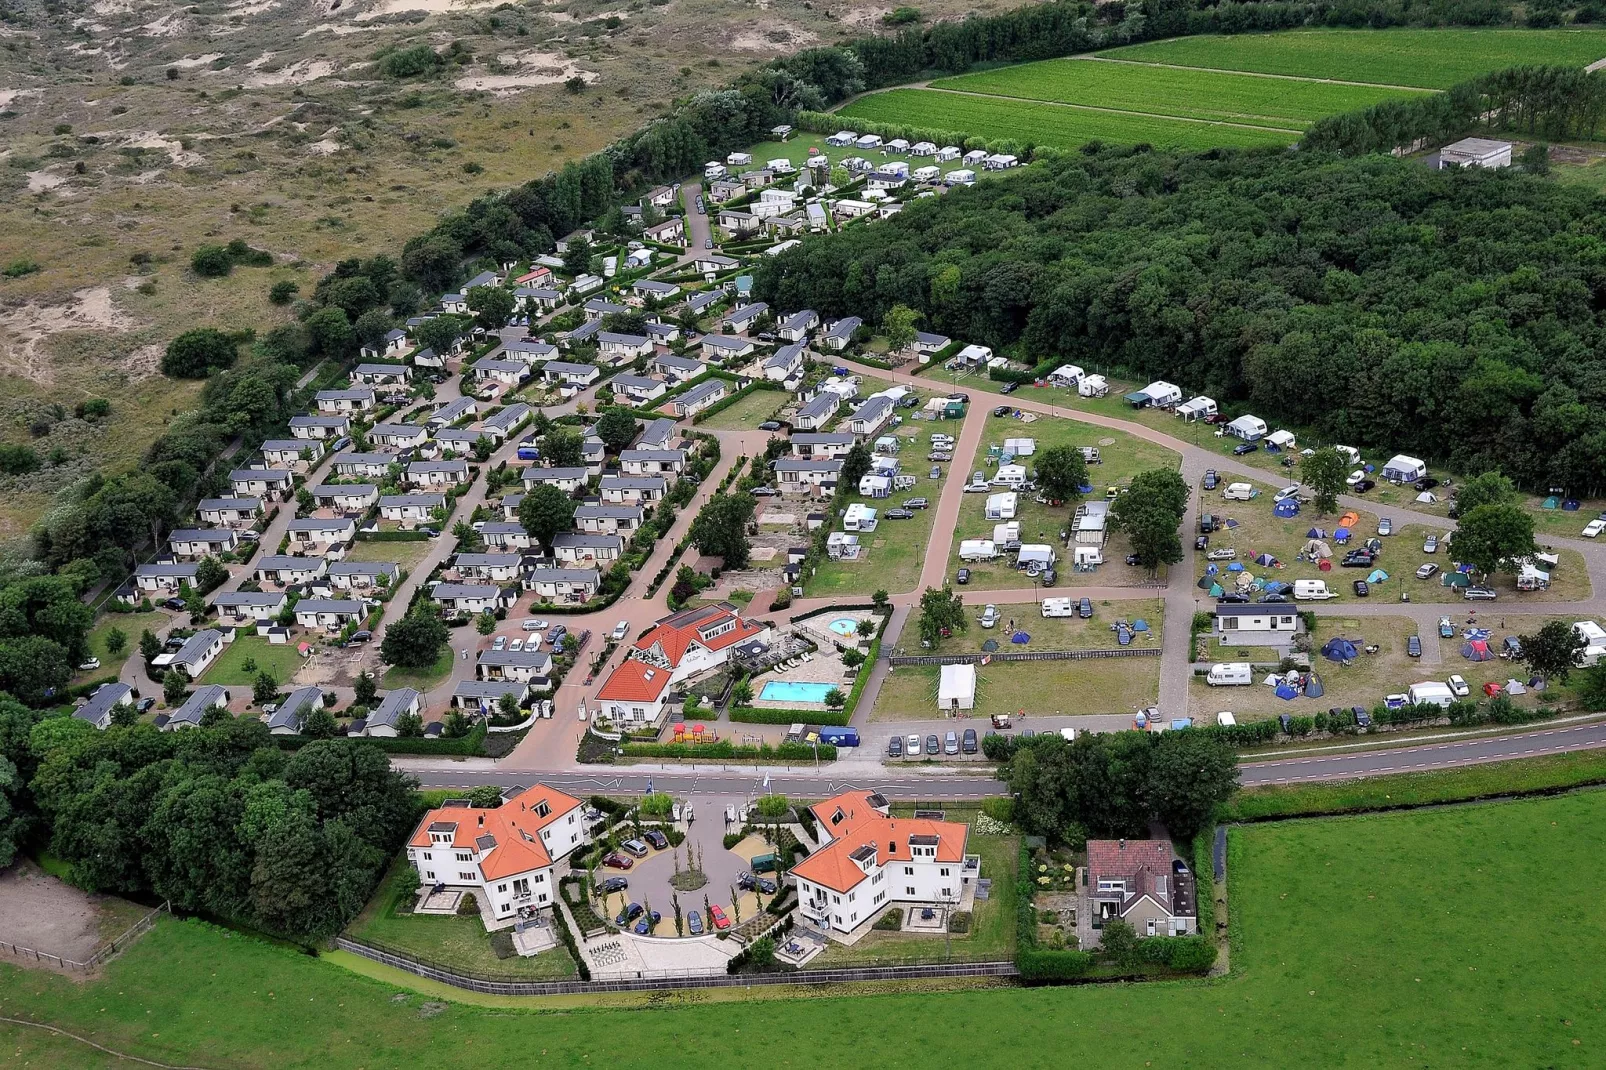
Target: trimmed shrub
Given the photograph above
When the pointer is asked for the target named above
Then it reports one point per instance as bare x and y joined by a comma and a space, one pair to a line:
1002, 810
753, 715
959, 921
891, 921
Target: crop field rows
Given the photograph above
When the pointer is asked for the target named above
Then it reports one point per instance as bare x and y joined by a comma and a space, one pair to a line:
1198, 93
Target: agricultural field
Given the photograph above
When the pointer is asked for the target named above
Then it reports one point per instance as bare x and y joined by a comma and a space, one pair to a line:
1194, 94
1424, 59
1052, 124
1381, 904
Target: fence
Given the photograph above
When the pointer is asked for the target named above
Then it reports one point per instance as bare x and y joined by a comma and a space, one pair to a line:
102, 954
652, 981
1029, 655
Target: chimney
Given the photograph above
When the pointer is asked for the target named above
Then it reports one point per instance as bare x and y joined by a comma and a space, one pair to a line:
1123, 844
482, 821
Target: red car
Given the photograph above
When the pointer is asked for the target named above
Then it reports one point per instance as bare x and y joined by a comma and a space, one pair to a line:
717, 916
618, 861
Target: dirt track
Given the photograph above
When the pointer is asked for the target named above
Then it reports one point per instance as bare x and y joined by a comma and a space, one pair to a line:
39, 912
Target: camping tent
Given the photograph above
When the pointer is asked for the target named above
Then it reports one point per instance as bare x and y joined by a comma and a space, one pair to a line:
1287, 693
1476, 650
1236, 566
957, 687
1315, 549
1455, 579
1315, 533
1427, 497
1349, 520
1020, 638
1377, 576
1140, 625
1286, 508
1265, 559
1313, 686
1341, 534
1338, 649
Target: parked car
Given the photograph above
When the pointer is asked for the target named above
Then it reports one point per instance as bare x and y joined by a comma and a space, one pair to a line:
1363, 485
628, 915
1009, 388
913, 749
978, 485
935, 473
1458, 686
1362, 718
1413, 646
748, 882
895, 747
90, 665
899, 514
915, 503
1446, 629
534, 625
499, 643
620, 630
932, 746
1084, 608
968, 742
1594, 528
1385, 526
1427, 571
950, 743
694, 923
708, 243
940, 455
658, 840
1245, 447
1233, 598
1202, 542
1272, 598
763, 492
146, 705
770, 425
1479, 594
1225, 553
1430, 545
617, 860
990, 616
1362, 589
613, 884
716, 916
518, 644
959, 395
645, 925
962, 577
1002, 410
1425, 483
1357, 559
1211, 479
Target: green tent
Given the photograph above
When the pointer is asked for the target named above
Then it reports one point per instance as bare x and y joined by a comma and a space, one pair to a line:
1455, 579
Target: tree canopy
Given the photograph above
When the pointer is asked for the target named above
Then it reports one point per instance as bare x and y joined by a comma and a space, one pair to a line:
193, 354
720, 529
545, 512
415, 641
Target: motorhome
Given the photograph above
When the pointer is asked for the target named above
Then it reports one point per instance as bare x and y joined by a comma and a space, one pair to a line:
977, 550
1310, 590
1059, 607
1430, 693
1230, 674
1238, 492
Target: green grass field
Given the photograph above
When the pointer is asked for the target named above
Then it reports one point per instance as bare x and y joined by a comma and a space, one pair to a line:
281, 661
1195, 94
1427, 59
1050, 124
419, 679
1386, 940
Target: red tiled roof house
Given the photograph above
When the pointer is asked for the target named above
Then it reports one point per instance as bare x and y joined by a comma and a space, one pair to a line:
869, 860
505, 855
677, 648
1135, 880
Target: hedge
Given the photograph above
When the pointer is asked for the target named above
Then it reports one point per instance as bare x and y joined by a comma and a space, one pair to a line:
567, 937
869, 666
1039, 966
726, 749
1204, 875
754, 715
471, 745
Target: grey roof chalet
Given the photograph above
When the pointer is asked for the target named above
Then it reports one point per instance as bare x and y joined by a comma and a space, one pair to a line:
457, 437
296, 446
353, 460
508, 418
406, 501
657, 434
663, 331
844, 328
392, 706
333, 422
659, 456
442, 591
462, 561
698, 394
822, 405
418, 468
531, 350
398, 431
365, 568
801, 321
538, 293
248, 599
555, 368
608, 512
289, 563
490, 364
244, 505
808, 464
679, 364
518, 659
102, 702
195, 707
291, 712
207, 535
535, 474
489, 691
196, 646
399, 370
585, 331
484, 278
725, 342
583, 540
356, 393
633, 482
167, 570
873, 410
267, 475
635, 382
653, 286
785, 357
501, 527
603, 308
453, 411
823, 438
622, 339
746, 313
926, 338
320, 523
329, 605
563, 575
699, 301
340, 490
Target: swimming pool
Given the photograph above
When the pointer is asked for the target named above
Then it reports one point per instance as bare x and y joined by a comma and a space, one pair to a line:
844, 626
794, 691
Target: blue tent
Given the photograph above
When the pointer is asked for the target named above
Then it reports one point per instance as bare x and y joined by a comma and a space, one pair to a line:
1212, 568
1086, 488
1236, 566
1551, 502
1339, 649
1020, 637
1286, 508
1286, 693
1377, 576
1341, 534
1265, 559
1140, 625
1476, 650
1570, 505
1216, 591
1231, 523
1315, 533
1313, 686
1276, 587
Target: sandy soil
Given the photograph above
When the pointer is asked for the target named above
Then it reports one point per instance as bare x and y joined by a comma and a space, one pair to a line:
532, 69
299, 73
774, 37
40, 912
434, 7
23, 330
44, 181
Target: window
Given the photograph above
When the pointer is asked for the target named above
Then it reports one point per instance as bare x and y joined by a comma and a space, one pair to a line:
501, 887
464, 856
465, 877
1228, 623
540, 878
908, 871
943, 872
1152, 927
909, 891
430, 875
541, 898
428, 857
836, 899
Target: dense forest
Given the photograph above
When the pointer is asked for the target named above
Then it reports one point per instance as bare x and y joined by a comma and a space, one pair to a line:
1454, 315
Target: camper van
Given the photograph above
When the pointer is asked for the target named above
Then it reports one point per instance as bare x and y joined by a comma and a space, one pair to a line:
1307, 590
1059, 607
1238, 492
977, 550
1010, 475
1230, 674
1226, 718
1432, 693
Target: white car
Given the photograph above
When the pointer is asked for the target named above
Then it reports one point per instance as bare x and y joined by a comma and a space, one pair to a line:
1385, 526
621, 630
1354, 477
1593, 528
516, 645
533, 625
984, 488
1287, 492
989, 617
1458, 686
91, 664
1430, 545
499, 643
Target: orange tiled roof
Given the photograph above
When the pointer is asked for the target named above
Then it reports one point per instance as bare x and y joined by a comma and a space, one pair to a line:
862, 824
515, 826
635, 681
676, 634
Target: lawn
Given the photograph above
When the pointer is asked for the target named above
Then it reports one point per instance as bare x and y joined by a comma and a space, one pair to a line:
1428, 59
747, 413
1051, 124
281, 661
1196, 94
449, 941
992, 933
1052, 633
419, 679
1121, 456
1404, 921
406, 554
1093, 685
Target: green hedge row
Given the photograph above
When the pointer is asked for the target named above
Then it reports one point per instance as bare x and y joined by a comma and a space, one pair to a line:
727, 750
1204, 875
755, 715
471, 745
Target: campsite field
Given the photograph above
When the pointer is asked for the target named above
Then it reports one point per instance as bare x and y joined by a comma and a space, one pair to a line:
1049, 688
1195, 94
1363, 682
1122, 456
1052, 124
1049, 633
1425, 58
1411, 909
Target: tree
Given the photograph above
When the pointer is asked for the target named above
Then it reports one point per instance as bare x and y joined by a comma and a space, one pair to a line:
880, 599
265, 688
493, 306
1554, 651
211, 262
440, 333
485, 623
210, 574
563, 448
617, 429
194, 354
415, 641
508, 705
1324, 472
149, 645
720, 529
1489, 488
486, 796
835, 699
1149, 513
214, 715
855, 466
1493, 536
282, 292
1190, 774
483, 448
742, 694
898, 326
545, 512
456, 725
329, 333
577, 257
372, 326
941, 613
365, 690
175, 684
1061, 473
116, 641
1119, 942
319, 724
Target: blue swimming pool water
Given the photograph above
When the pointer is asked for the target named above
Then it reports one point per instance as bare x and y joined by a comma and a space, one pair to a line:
794, 691
844, 626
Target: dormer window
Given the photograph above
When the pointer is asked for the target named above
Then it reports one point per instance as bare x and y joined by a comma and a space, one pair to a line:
542, 809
